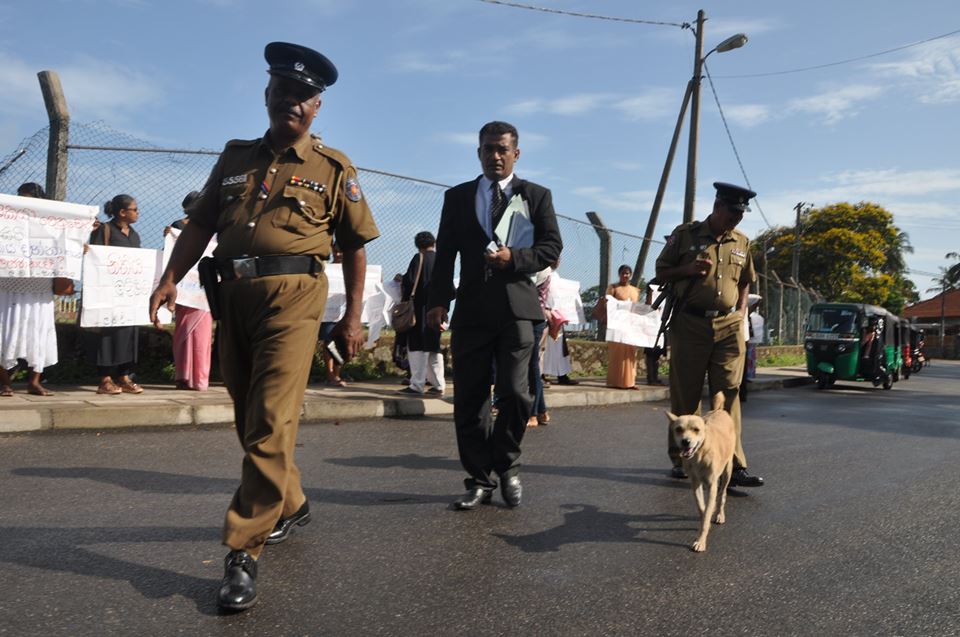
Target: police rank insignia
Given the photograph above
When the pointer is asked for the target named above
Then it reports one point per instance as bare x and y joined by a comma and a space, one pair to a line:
353, 190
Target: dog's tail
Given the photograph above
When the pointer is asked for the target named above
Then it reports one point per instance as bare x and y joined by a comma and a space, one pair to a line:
718, 401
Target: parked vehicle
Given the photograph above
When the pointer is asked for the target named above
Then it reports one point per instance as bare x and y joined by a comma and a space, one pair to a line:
852, 341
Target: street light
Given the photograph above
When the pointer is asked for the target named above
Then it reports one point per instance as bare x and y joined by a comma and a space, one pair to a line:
733, 42
693, 90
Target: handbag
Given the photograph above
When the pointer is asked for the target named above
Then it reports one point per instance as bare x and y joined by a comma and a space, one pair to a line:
403, 316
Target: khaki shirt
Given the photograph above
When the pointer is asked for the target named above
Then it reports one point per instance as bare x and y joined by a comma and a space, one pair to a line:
732, 266
260, 203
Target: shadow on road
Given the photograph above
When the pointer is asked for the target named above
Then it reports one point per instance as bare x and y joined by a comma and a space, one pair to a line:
63, 550
587, 523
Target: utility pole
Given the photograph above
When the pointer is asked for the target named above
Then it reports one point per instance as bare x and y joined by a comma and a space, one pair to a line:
690, 196
59, 117
795, 268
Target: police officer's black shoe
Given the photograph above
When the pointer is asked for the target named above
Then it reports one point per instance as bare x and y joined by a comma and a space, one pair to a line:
740, 478
511, 490
285, 525
238, 588
475, 497
678, 473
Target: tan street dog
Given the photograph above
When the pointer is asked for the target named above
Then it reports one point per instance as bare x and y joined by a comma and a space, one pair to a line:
706, 451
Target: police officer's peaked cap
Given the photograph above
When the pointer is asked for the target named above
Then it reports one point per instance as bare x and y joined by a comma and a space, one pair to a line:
301, 64
737, 197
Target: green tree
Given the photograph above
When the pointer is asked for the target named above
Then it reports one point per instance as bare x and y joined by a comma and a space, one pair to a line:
848, 252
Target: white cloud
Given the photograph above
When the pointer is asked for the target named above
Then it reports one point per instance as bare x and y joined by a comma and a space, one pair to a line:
747, 115
652, 104
932, 70
623, 201
21, 89
417, 62
460, 139
837, 104
628, 166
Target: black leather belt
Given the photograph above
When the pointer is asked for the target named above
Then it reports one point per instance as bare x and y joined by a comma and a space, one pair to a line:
252, 267
708, 313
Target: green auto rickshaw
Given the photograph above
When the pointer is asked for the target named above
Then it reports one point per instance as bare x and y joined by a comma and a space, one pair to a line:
852, 341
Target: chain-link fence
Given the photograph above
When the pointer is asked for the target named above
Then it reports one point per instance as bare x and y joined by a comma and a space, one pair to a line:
785, 307
103, 162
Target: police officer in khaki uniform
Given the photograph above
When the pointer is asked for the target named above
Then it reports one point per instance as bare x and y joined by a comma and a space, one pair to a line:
711, 269
276, 204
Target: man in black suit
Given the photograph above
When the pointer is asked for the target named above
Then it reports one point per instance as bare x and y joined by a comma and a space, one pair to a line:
497, 305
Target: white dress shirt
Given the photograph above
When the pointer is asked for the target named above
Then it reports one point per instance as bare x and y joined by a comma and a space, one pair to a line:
484, 199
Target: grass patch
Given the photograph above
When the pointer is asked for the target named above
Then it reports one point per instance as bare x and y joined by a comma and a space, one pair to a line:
782, 359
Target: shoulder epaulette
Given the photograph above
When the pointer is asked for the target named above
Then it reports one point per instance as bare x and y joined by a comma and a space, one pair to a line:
331, 153
240, 142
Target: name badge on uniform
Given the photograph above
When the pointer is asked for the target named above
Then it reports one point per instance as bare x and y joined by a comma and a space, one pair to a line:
738, 253
236, 179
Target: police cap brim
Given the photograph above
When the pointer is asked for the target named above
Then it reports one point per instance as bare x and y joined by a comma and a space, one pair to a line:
301, 64
736, 197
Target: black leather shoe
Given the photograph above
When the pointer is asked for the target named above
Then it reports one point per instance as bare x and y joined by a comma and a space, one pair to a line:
678, 473
741, 478
238, 588
566, 380
285, 525
511, 490
474, 498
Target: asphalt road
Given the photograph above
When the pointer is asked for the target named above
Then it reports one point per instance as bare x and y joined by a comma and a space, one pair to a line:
854, 534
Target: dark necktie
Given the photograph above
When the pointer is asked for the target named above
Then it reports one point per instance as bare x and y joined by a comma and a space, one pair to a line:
498, 203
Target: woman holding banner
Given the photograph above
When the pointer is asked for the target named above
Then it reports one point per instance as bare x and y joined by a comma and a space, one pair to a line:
27, 327
622, 358
114, 350
193, 334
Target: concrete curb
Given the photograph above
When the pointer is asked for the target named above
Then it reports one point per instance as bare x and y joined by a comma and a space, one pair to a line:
159, 407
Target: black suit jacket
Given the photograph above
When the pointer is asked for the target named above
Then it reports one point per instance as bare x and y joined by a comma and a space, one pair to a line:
506, 294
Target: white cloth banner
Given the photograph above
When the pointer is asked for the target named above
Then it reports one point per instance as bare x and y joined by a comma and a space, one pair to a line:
564, 297
42, 238
117, 283
631, 323
337, 291
377, 308
189, 291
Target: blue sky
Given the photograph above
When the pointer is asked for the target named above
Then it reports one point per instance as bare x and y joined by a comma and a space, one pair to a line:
595, 100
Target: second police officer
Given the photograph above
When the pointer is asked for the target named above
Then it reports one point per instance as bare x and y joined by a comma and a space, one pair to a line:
709, 265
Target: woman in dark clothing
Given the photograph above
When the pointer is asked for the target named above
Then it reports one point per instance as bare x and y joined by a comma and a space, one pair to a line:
423, 343
114, 350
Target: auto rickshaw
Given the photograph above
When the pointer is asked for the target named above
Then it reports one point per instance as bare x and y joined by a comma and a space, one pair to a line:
917, 356
906, 349
852, 341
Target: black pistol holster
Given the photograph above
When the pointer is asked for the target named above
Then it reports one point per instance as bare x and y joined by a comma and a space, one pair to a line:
210, 281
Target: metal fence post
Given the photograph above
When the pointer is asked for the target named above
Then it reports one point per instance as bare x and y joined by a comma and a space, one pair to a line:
59, 117
604, 235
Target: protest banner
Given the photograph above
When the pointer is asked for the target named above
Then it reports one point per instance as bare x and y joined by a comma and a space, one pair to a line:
564, 297
189, 291
631, 323
42, 238
337, 293
117, 283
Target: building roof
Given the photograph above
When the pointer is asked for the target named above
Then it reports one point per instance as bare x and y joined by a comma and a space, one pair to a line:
931, 308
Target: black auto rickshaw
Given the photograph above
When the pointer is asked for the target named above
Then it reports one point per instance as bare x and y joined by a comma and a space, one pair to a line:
852, 341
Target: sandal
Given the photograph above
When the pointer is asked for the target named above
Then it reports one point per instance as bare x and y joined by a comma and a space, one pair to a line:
6, 391
337, 383
131, 388
109, 388
39, 391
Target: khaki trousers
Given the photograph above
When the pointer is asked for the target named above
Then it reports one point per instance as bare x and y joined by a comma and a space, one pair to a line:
712, 347
267, 338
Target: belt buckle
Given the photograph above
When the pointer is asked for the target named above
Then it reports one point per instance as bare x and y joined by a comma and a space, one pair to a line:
245, 268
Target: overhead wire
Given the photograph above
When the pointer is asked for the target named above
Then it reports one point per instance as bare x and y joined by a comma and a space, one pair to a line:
733, 145
839, 62
576, 14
